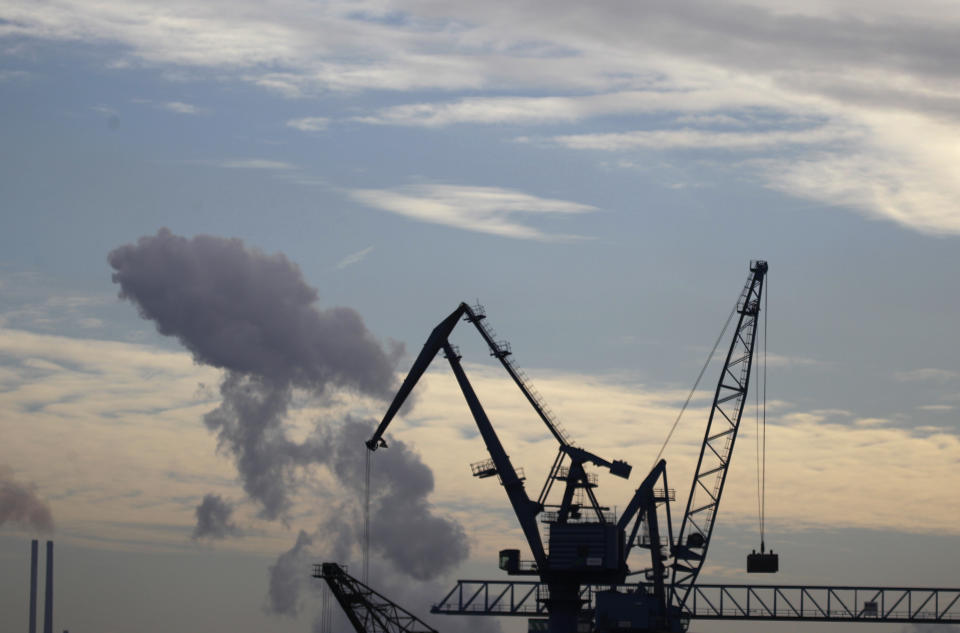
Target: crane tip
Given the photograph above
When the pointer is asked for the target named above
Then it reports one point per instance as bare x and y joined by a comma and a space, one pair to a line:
375, 443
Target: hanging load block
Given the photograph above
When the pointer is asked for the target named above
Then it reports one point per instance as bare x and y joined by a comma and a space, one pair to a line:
760, 563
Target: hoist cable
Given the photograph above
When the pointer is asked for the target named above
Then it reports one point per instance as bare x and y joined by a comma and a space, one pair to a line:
324, 609
763, 505
696, 383
328, 619
366, 521
760, 413
756, 413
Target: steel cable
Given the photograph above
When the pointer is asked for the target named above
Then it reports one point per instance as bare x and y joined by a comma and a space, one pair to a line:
763, 504
696, 383
366, 521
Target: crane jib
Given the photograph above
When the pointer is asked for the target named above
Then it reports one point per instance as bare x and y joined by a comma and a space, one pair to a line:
696, 527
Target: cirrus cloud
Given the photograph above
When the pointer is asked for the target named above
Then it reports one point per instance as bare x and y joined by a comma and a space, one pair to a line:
483, 209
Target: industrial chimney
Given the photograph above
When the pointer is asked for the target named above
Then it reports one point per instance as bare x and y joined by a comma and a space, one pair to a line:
48, 599
34, 546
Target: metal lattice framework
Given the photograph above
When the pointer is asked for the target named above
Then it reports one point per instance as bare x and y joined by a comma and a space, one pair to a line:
367, 610
828, 604
693, 539
730, 602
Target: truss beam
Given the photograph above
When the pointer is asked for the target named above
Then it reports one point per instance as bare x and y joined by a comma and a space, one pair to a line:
731, 602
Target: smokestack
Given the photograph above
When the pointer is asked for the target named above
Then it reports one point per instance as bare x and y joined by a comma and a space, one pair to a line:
48, 599
34, 547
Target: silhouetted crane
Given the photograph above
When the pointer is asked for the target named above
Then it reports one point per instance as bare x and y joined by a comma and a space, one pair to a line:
583, 572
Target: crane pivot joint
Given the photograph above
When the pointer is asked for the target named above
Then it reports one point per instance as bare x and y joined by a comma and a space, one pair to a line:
375, 443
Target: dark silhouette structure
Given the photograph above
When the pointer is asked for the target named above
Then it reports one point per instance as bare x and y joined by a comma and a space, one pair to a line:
583, 573
48, 596
587, 543
367, 610
34, 555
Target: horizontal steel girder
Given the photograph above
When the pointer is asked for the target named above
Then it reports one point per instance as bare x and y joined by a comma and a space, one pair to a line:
731, 602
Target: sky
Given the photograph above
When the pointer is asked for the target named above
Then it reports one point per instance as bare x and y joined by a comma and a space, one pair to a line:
228, 227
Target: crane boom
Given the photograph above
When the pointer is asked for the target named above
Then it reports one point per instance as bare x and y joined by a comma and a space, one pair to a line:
525, 509
436, 340
715, 452
501, 351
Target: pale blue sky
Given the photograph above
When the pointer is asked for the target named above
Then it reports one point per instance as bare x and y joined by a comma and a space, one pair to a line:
598, 175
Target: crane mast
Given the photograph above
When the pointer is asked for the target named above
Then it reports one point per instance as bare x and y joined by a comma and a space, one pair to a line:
699, 518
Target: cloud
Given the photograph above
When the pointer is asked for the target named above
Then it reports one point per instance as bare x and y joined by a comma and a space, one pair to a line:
214, 519
255, 163
19, 504
880, 82
482, 209
56, 311
94, 396
808, 451
36, 302
178, 107
905, 185
928, 374
705, 140
779, 360
354, 258
936, 407
13, 75
181, 108
541, 110
309, 124
111, 407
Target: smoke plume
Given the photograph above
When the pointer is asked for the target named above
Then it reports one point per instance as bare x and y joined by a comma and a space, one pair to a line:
253, 315
287, 576
250, 313
19, 504
405, 530
214, 519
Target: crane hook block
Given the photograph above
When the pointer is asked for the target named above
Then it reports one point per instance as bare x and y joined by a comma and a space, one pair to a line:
760, 563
